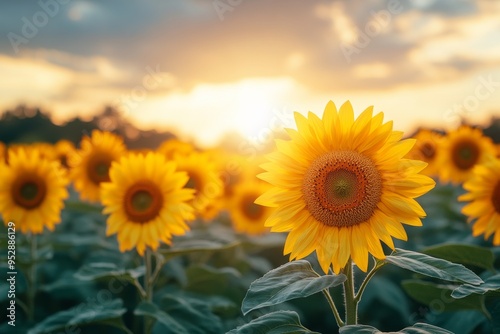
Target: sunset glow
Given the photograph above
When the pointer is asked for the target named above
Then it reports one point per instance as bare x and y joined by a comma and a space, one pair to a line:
210, 77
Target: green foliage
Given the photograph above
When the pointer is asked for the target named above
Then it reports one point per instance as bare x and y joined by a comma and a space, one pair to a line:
419, 328
280, 322
432, 267
105, 270
471, 255
216, 281
108, 314
293, 280
439, 297
490, 285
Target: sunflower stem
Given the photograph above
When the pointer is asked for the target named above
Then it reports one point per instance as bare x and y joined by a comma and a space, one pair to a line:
335, 312
32, 278
376, 267
148, 288
351, 304
159, 262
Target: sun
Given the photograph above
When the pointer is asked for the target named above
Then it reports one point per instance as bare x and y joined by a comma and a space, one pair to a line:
254, 109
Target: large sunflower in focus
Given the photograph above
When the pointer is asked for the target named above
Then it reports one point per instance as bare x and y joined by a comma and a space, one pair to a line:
146, 201
427, 148
32, 191
203, 178
246, 216
463, 149
342, 185
484, 197
90, 165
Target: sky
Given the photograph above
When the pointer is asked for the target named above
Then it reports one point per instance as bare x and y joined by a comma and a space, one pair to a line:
203, 68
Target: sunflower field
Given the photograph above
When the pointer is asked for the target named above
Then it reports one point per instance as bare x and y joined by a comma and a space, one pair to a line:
343, 225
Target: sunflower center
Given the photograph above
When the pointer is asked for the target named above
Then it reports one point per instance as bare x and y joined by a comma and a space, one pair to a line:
194, 182
29, 193
428, 151
63, 159
465, 154
143, 202
342, 188
250, 209
495, 197
98, 170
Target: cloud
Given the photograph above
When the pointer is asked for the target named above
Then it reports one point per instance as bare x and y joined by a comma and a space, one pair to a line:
92, 52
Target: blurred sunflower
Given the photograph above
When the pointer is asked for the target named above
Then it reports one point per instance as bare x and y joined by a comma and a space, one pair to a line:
146, 201
246, 216
341, 186
462, 149
427, 148
484, 197
172, 147
90, 165
63, 150
45, 150
3, 152
203, 178
32, 191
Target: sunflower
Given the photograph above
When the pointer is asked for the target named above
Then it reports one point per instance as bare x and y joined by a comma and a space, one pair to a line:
3, 152
246, 216
462, 150
32, 191
63, 150
146, 201
203, 178
341, 186
172, 147
45, 150
427, 148
484, 197
90, 165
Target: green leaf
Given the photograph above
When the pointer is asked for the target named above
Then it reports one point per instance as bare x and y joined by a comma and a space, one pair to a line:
463, 321
188, 246
216, 281
71, 240
104, 270
433, 267
280, 322
153, 311
465, 254
490, 284
418, 328
438, 297
293, 280
84, 314
195, 316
